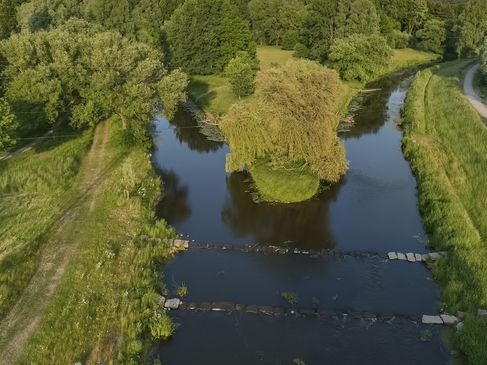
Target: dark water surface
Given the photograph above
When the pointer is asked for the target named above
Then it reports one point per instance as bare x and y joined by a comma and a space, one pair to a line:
374, 208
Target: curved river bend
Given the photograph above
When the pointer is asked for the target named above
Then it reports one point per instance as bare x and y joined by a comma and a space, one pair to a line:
374, 208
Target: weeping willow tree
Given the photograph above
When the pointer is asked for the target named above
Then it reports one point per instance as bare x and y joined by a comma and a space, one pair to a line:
292, 121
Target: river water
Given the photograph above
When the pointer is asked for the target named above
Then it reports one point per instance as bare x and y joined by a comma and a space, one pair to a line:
374, 208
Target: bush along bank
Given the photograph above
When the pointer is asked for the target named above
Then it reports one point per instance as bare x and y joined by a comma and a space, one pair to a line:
444, 141
107, 308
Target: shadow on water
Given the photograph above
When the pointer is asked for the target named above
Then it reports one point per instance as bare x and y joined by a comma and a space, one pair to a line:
301, 224
371, 109
187, 131
175, 207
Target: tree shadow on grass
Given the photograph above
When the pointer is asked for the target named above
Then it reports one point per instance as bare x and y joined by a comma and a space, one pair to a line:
200, 92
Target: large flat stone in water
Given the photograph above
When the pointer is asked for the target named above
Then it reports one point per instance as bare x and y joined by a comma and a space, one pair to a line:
431, 319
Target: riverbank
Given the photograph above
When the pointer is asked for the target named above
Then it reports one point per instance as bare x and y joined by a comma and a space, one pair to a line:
444, 141
92, 293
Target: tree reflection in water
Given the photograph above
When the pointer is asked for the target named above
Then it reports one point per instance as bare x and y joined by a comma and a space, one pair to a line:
187, 131
174, 206
298, 225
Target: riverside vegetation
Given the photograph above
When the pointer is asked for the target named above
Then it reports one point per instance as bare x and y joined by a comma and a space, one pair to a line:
445, 144
76, 285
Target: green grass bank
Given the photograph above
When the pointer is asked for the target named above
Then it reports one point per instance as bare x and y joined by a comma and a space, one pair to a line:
36, 187
445, 143
105, 308
290, 184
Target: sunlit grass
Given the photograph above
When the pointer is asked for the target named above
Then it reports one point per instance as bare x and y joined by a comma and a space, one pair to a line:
272, 55
288, 184
35, 188
106, 308
445, 142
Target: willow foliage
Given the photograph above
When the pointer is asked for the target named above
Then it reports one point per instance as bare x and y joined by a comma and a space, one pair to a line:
293, 118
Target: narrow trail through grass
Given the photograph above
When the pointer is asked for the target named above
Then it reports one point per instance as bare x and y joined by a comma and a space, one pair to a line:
17, 327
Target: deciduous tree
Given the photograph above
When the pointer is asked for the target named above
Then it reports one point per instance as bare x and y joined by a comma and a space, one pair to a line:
241, 76
432, 36
91, 73
204, 35
8, 125
474, 27
293, 119
360, 57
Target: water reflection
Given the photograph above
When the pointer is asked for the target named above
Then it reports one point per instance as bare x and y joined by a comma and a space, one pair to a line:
188, 131
373, 208
372, 110
304, 224
174, 207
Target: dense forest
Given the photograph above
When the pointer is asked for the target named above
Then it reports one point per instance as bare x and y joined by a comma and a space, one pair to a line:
202, 37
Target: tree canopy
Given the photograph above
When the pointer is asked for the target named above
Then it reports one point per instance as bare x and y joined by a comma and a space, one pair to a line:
8, 125
292, 120
241, 75
360, 57
90, 73
204, 35
136, 19
474, 27
432, 36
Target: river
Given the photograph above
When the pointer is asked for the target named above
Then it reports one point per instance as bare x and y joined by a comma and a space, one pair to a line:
373, 209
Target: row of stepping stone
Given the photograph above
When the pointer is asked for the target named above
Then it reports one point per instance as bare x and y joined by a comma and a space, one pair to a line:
416, 257
450, 320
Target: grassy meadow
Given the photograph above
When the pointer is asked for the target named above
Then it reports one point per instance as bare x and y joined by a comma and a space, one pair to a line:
445, 144
105, 307
107, 303
214, 93
35, 189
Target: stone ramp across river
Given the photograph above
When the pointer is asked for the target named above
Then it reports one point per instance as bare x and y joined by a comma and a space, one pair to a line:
278, 250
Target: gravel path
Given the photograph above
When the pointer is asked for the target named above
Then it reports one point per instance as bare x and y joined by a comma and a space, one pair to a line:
470, 93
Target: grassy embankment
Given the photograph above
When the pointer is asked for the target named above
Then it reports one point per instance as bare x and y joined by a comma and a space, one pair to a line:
105, 304
35, 189
445, 142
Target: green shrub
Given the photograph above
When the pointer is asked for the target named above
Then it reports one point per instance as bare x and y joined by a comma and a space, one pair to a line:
241, 76
432, 36
290, 39
301, 51
401, 40
360, 57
